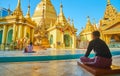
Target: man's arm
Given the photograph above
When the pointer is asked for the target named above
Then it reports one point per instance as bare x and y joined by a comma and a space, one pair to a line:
89, 49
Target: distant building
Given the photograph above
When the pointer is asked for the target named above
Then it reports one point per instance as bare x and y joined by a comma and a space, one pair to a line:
4, 12
62, 34
86, 34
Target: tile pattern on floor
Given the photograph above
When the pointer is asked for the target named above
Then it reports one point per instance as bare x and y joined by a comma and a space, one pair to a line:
46, 68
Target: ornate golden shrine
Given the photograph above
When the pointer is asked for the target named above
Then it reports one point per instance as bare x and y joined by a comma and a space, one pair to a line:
86, 33
52, 30
40, 37
15, 28
109, 26
62, 34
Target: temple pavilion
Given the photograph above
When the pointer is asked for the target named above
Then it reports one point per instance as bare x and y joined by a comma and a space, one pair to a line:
58, 32
15, 27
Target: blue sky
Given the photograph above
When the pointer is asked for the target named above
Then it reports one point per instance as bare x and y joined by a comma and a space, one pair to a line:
75, 9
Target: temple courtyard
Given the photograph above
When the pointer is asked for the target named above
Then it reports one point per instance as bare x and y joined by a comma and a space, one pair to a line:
50, 62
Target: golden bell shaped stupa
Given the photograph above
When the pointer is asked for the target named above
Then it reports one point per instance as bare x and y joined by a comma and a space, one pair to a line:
40, 34
49, 13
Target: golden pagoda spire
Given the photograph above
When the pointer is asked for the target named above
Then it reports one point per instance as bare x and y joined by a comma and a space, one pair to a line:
43, 27
18, 10
61, 9
28, 12
69, 20
19, 5
42, 21
110, 11
94, 23
108, 2
89, 26
88, 22
72, 23
46, 0
61, 18
88, 19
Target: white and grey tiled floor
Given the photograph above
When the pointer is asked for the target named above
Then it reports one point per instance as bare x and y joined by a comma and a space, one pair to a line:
46, 68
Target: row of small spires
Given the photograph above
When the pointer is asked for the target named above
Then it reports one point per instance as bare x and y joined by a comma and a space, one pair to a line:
28, 12
88, 20
108, 2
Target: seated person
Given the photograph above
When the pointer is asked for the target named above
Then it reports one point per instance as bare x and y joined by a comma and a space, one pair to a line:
29, 49
103, 57
26, 50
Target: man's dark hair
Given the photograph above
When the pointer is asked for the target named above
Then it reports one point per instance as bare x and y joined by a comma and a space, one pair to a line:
30, 43
96, 33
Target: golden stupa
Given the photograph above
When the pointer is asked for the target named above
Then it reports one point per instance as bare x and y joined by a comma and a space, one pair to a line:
40, 37
62, 34
52, 30
86, 33
49, 13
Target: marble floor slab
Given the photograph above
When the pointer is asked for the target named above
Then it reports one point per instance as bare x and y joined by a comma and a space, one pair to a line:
46, 68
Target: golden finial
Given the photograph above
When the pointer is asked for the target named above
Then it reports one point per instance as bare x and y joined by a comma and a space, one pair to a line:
72, 23
88, 18
29, 4
82, 28
28, 12
88, 21
43, 19
18, 10
69, 20
45, 0
61, 8
94, 22
19, 4
43, 9
108, 1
